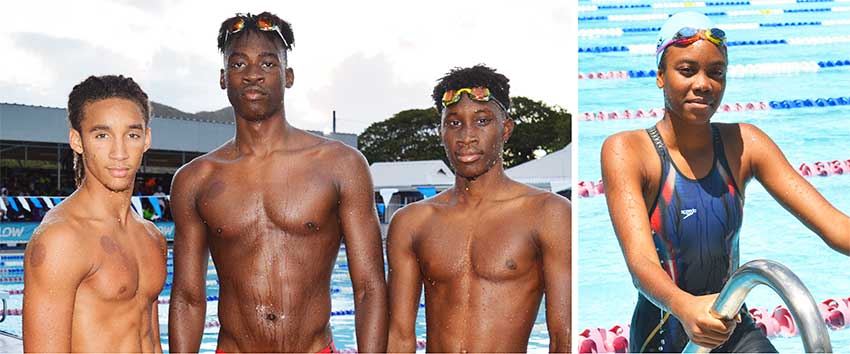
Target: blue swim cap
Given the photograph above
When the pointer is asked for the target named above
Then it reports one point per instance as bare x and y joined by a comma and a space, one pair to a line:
677, 22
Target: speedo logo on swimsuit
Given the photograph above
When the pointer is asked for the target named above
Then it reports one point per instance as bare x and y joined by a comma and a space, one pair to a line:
688, 212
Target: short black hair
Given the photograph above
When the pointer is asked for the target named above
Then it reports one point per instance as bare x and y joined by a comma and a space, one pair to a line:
97, 88
478, 75
224, 40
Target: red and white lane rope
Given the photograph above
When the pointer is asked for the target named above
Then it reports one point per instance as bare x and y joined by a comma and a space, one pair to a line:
659, 112
586, 189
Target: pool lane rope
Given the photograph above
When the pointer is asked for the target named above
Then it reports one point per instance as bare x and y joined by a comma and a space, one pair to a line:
665, 16
726, 108
587, 189
737, 70
649, 49
779, 323
620, 31
621, 5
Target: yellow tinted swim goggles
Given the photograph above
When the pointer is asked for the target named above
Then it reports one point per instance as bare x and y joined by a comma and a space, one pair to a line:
479, 93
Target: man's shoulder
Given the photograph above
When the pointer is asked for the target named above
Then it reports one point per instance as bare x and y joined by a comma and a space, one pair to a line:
63, 219
554, 205
154, 235
540, 200
197, 169
416, 213
59, 235
337, 152
338, 159
57, 227
546, 199
150, 228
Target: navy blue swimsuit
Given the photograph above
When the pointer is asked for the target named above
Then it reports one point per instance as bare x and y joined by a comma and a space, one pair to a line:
695, 224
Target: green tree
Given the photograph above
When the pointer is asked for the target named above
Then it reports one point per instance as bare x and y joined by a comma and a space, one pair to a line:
414, 134
538, 126
411, 135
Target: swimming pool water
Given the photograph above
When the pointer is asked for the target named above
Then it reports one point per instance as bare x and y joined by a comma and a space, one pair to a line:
606, 296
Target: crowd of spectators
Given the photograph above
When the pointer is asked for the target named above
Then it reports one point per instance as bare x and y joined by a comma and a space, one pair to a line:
34, 183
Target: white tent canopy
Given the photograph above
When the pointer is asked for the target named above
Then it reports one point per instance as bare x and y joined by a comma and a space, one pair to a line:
552, 170
410, 174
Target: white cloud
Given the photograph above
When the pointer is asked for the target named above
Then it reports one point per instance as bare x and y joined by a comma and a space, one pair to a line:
368, 60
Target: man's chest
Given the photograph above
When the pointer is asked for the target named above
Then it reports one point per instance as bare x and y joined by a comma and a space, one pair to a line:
231, 203
494, 249
129, 269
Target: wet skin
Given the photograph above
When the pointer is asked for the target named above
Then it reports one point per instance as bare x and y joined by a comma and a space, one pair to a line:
94, 268
271, 206
486, 250
693, 81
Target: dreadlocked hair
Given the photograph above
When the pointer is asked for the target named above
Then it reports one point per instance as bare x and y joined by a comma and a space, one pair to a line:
478, 75
225, 39
96, 88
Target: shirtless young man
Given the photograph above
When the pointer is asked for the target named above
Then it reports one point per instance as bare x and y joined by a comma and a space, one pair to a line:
94, 268
272, 206
486, 249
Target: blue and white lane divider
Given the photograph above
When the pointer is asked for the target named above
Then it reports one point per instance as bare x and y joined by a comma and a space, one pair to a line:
737, 70
664, 16
620, 31
621, 5
649, 49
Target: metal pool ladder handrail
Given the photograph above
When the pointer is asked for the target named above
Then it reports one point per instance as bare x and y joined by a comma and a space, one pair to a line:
792, 291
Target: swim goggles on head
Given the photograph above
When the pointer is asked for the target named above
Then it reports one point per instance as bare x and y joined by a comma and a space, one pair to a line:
263, 23
480, 94
688, 35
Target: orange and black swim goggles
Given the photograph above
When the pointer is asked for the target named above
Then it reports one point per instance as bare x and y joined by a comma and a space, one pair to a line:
688, 35
479, 93
262, 23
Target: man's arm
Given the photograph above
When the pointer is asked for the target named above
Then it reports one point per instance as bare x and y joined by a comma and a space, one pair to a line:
55, 265
555, 244
623, 178
405, 283
157, 345
359, 221
796, 195
187, 310
163, 259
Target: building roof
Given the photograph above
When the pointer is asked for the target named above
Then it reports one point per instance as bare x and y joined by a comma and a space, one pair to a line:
408, 174
180, 131
553, 169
